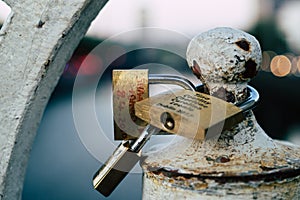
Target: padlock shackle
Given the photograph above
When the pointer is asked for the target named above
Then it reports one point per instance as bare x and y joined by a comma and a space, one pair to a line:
171, 79
249, 103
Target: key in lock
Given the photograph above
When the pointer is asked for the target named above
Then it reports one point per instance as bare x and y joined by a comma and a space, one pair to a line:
128, 153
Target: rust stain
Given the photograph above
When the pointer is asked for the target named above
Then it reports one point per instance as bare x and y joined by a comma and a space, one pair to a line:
223, 159
207, 188
242, 161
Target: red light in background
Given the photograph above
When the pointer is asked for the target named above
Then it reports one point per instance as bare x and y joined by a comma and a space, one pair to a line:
91, 65
84, 65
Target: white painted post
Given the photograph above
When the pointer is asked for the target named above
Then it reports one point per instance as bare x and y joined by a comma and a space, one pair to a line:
36, 41
240, 163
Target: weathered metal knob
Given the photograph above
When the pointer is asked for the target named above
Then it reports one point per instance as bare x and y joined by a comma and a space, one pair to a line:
225, 60
241, 163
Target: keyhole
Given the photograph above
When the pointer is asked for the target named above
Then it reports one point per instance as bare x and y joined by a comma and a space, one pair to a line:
167, 121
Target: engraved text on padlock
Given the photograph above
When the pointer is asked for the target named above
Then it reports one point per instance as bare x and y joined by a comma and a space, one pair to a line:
188, 113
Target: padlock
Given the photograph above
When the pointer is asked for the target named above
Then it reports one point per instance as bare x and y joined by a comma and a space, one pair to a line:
128, 152
188, 113
126, 84
129, 86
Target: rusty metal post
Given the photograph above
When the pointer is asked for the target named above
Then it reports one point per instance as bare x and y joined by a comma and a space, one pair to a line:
240, 163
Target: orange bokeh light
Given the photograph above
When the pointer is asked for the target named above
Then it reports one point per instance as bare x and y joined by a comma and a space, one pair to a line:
280, 66
298, 64
266, 59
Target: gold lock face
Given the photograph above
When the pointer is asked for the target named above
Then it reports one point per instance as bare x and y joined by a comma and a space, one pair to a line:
189, 113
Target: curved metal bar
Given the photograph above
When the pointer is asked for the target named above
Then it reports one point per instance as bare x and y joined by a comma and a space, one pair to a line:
249, 103
171, 79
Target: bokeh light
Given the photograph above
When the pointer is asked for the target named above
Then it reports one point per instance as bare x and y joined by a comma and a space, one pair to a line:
296, 66
266, 60
90, 64
280, 66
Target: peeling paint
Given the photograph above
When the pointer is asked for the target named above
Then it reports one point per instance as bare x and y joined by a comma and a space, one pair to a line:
241, 163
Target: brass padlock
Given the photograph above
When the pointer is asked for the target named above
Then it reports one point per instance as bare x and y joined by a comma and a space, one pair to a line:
128, 152
188, 113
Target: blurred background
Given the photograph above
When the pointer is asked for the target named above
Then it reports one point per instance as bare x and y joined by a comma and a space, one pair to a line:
61, 167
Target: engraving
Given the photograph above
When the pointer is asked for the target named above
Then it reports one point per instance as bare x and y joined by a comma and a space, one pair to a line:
166, 106
186, 104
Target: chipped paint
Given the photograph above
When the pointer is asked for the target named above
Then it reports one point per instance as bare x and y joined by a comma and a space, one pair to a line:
241, 163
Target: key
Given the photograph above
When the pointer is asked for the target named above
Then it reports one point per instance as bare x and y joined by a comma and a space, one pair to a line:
121, 162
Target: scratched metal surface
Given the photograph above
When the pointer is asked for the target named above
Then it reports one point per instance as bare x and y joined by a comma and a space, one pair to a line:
243, 162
